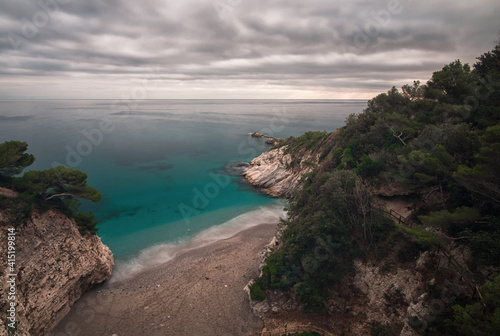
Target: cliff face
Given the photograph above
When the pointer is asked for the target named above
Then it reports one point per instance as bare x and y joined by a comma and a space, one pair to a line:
277, 173
54, 264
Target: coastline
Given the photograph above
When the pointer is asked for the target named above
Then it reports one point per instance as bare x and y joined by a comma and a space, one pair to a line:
198, 292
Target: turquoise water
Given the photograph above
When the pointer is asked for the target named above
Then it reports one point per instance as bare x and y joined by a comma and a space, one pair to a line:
165, 168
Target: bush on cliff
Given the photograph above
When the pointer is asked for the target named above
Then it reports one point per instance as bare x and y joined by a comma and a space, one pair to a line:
58, 182
56, 187
256, 292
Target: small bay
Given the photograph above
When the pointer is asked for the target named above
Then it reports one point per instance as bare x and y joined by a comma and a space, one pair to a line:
166, 168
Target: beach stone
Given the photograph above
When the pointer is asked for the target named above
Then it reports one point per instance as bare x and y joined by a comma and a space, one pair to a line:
261, 307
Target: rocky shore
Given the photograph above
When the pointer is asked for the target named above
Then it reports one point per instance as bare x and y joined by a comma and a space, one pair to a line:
270, 140
54, 265
278, 173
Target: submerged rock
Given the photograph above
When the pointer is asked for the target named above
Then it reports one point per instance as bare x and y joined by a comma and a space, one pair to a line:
242, 164
233, 168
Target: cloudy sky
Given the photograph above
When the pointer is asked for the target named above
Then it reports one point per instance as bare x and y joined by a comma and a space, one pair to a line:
290, 49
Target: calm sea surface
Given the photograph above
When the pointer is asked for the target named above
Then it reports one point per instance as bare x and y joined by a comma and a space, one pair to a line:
165, 168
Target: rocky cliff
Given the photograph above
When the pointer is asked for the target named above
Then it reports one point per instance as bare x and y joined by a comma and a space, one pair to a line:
278, 173
54, 264
390, 293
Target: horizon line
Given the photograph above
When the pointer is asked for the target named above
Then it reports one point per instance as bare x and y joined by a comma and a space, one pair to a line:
187, 99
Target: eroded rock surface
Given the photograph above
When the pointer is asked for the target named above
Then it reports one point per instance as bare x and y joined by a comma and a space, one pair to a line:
277, 173
54, 264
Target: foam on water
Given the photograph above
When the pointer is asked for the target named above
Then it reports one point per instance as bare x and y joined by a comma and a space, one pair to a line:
161, 253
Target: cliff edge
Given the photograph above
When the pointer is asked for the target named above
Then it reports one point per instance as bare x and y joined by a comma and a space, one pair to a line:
277, 173
54, 264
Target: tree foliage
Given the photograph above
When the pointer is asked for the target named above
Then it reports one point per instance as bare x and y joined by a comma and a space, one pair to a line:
319, 248
59, 182
59, 187
13, 158
439, 143
483, 177
481, 318
453, 84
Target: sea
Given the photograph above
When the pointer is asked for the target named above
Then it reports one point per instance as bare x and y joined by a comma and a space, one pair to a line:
168, 170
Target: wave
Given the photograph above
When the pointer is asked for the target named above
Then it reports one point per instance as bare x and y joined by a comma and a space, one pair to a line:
162, 253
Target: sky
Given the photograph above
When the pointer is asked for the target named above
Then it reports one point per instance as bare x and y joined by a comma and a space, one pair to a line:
233, 49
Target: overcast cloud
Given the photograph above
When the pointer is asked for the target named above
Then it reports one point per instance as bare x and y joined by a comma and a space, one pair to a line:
233, 48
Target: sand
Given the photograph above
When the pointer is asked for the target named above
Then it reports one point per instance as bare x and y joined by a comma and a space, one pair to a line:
199, 292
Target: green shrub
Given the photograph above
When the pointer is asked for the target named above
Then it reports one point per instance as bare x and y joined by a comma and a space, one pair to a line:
310, 163
368, 167
308, 140
419, 235
481, 318
272, 274
86, 222
311, 296
256, 292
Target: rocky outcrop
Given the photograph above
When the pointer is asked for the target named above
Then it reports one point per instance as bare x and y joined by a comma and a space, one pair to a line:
389, 294
54, 264
270, 140
278, 173
256, 135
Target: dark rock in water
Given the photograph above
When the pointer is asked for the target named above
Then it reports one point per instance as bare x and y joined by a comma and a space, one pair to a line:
269, 139
272, 141
233, 168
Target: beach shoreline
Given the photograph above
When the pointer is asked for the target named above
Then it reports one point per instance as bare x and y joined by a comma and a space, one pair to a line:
198, 292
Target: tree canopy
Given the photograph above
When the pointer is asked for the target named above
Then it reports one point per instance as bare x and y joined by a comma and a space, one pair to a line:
59, 182
13, 158
481, 318
59, 186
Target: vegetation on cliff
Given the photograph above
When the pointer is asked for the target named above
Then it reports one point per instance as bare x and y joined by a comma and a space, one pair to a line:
58, 187
437, 144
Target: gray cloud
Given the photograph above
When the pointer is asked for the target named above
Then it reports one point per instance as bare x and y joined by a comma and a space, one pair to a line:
316, 48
